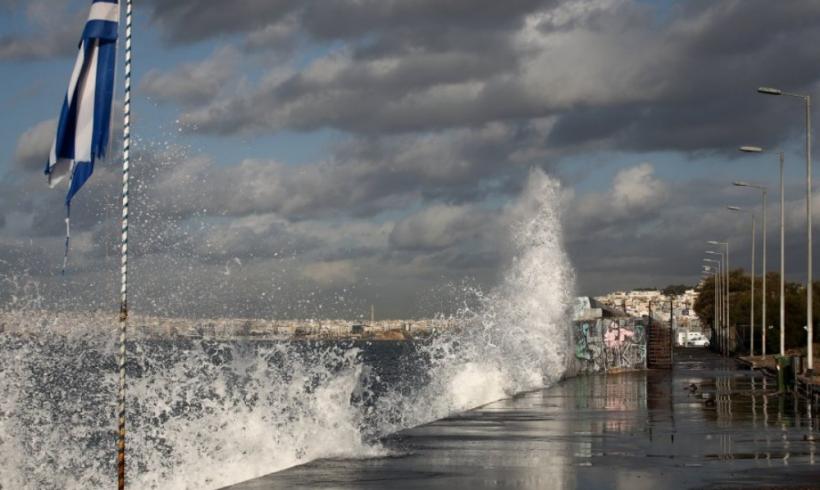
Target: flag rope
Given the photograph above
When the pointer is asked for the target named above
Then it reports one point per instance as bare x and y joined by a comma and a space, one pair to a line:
126, 149
67, 235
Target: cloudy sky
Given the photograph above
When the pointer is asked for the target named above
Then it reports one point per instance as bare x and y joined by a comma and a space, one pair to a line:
309, 158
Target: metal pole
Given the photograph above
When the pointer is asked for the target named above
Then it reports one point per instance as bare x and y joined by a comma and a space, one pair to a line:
671, 330
126, 148
809, 285
728, 303
649, 335
763, 320
722, 301
718, 310
809, 295
717, 324
716, 321
752, 313
782, 265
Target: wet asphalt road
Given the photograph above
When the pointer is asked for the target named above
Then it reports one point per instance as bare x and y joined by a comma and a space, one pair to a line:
704, 424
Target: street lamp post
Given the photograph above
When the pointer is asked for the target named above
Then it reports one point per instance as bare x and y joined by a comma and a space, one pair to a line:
809, 295
757, 149
706, 273
764, 190
718, 312
752, 309
724, 332
727, 303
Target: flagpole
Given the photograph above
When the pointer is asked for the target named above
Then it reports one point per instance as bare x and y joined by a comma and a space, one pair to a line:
126, 150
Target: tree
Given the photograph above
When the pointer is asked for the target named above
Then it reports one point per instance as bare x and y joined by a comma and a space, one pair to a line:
740, 305
675, 289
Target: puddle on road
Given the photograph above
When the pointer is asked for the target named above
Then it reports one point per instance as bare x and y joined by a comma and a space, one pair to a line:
705, 417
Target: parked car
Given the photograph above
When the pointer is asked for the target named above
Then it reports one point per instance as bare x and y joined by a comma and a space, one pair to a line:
692, 339
697, 339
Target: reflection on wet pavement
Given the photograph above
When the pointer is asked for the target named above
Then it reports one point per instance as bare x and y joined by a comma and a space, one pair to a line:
704, 424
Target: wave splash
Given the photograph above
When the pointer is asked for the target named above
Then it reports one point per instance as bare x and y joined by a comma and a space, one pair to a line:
205, 414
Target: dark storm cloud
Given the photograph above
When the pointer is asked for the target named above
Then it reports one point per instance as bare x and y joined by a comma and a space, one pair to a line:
611, 73
717, 53
408, 49
194, 20
343, 19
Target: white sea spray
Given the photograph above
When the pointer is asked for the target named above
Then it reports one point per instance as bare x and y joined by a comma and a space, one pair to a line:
205, 414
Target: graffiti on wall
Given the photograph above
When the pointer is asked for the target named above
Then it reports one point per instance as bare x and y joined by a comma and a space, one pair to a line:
607, 344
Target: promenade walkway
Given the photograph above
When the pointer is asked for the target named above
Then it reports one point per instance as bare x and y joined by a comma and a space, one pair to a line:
702, 424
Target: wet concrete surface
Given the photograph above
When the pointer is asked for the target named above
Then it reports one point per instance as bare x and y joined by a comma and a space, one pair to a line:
705, 424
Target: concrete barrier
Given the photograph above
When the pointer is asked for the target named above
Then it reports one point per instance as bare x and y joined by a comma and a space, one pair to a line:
609, 344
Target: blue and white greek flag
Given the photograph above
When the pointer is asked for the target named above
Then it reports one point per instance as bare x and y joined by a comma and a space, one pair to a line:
84, 124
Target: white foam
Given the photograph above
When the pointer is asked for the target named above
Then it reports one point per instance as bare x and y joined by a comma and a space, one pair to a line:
205, 418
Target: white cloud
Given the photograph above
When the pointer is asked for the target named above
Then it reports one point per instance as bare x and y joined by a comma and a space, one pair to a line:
440, 226
637, 187
193, 83
55, 29
34, 145
336, 273
635, 193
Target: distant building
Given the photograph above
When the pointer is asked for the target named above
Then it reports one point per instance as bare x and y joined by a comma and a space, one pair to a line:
640, 303
588, 308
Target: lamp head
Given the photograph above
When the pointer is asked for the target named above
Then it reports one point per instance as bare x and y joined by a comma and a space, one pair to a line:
741, 183
751, 149
734, 208
769, 91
